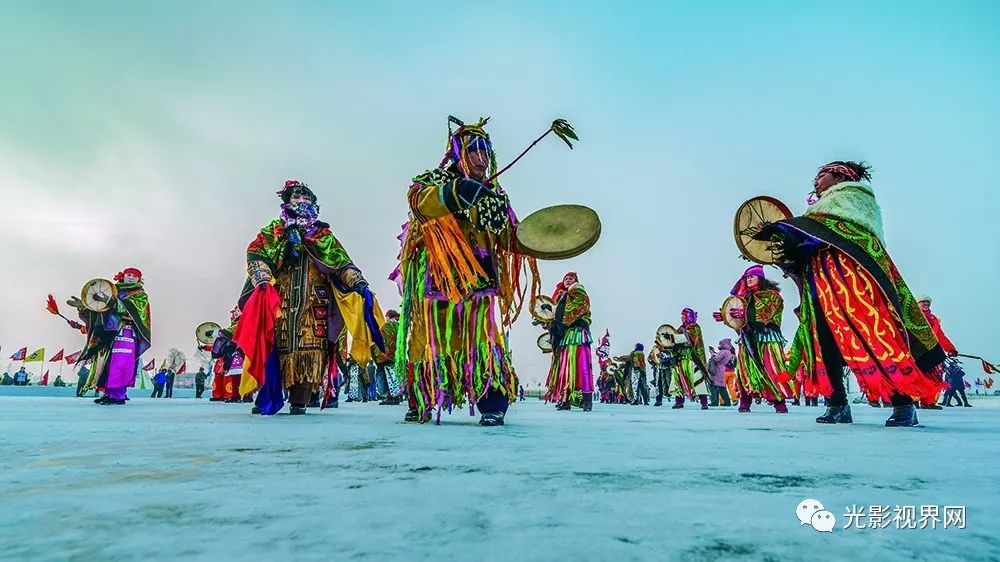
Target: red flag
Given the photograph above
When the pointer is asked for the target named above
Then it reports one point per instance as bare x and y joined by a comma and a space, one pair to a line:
45, 380
255, 334
57, 357
183, 369
150, 366
20, 354
52, 306
72, 357
990, 368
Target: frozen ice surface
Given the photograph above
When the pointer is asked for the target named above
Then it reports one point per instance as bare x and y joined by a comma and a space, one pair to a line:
192, 480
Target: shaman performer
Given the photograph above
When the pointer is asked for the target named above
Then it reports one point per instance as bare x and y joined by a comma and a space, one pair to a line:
571, 371
624, 392
949, 348
760, 359
661, 361
228, 367
635, 367
851, 289
461, 275
297, 267
385, 377
691, 375
117, 338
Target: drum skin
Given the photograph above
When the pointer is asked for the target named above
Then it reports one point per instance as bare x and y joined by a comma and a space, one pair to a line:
559, 232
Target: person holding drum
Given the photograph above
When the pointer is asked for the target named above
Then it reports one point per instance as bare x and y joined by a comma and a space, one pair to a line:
691, 375
760, 359
924, 302
303, 290
461, 273
117, 335
856, 308
571, 371
228, 365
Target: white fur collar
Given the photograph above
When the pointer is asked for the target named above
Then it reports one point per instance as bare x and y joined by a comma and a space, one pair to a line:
854, 202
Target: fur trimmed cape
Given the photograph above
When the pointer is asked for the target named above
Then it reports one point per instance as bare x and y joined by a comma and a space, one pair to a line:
853, 202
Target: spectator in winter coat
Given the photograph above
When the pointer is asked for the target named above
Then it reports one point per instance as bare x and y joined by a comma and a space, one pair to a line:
159, 381
955, 377
717, 365
199, 382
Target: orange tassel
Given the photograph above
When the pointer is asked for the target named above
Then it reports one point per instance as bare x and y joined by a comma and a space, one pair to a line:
450, 261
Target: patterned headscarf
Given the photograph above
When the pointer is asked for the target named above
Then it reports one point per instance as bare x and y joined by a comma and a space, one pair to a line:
688, 316
839, 169
562, 286
121, 274
741, 288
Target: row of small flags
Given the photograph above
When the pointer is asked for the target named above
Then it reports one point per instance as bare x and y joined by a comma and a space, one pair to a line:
39, 356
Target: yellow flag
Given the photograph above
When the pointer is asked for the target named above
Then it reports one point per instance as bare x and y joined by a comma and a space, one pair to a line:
352, 308
36, 357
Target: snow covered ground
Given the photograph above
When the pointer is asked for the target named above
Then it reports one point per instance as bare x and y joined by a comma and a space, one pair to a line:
188, 479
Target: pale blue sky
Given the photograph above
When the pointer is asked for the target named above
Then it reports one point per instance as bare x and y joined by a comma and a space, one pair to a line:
154, 134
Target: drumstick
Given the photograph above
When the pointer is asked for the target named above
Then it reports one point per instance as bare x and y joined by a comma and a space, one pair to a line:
560, 127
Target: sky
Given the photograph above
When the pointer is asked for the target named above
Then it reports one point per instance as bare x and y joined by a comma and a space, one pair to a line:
154, 135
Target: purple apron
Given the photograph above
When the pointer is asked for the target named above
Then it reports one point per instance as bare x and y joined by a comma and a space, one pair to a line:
121, 370
236, 366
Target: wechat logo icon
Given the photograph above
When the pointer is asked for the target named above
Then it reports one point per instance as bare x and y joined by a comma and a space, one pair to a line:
811, 512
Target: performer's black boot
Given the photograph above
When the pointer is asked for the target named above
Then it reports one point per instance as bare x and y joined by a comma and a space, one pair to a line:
836, 414
564, 406
588, 401
704, 401
297, 410
491, 419
902, 416
678, 403
931, 407
412, 415
874, 403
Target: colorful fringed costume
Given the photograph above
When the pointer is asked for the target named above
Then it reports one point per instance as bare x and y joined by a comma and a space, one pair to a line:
856, 309
461, 277
384, 373
117, 338
635, 368
302, 291
661, 361
571, 371
228, 366
760, 359
691, 375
